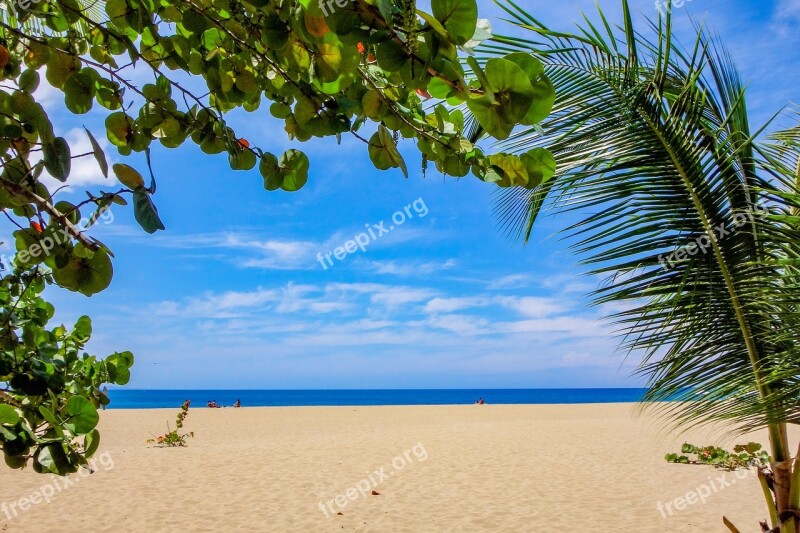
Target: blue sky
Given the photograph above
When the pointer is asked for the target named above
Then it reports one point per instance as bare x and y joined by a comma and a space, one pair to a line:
232, 294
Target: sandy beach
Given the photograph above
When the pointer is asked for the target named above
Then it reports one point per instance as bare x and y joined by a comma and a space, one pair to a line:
436, 468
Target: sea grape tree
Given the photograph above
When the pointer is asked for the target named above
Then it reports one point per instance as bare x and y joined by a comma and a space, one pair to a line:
379, 70
50, 390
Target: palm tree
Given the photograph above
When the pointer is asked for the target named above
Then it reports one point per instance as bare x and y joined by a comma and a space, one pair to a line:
693, 218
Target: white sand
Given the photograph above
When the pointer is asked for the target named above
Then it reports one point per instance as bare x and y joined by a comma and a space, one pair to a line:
474, 468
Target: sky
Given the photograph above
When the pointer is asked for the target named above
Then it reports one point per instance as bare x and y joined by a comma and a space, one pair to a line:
233, 295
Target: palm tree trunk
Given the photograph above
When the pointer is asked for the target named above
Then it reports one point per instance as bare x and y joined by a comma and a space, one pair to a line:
794, 491
784, 498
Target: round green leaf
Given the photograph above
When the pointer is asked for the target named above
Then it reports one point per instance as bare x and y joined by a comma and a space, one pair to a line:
69, 210
459, 17
79, 91
29, 81
391, 56
85, 275
511, 169
512, 95
374, 105
540, 164
57, 159
383, 151
51, 458
544, 93
90, 442
82, 416
271, 172
83, 328
8, 415
128, 176
242, 159
119, 128
145, 211
294, 167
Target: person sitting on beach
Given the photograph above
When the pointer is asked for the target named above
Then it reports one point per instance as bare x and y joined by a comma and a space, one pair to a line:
480, 401
238, 403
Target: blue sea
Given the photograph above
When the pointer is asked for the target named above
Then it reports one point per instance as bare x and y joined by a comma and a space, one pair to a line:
148, 399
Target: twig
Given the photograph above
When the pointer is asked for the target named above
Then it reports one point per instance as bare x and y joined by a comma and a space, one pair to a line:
44, 204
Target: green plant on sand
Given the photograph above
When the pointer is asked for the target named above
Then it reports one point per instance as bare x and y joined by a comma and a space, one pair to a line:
743, 456
172, 438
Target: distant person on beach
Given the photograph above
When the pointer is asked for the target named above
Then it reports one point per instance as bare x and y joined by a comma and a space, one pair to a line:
480, 401
213, 404
238, 403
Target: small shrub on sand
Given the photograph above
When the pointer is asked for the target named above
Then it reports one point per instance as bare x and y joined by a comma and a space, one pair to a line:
742, 456
172, 438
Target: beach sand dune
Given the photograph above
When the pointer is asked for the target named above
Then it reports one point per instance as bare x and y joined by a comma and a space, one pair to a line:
436, 468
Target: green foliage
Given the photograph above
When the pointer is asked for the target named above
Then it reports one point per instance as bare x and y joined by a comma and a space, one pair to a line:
51, 389
742, 456
172, 438
367, 70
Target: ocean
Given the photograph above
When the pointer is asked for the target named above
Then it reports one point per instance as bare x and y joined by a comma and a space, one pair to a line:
148, 399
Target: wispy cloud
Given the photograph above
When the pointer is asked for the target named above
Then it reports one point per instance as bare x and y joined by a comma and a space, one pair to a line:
250, 251
410, 268
449, 305
511, 281
786, 17
534, 306
400, 315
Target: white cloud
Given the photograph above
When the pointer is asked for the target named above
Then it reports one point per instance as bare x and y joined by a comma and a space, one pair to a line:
461, 324
228, 304
411, 268
294, 299
787, 14
270, 254
448, 305
392, 297
559, 327
533, 306
512, 281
